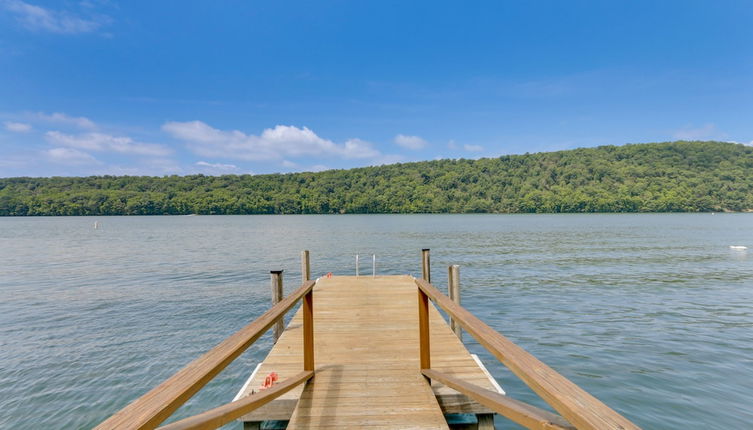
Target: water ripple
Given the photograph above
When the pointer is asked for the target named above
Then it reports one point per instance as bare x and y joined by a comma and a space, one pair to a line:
650, 313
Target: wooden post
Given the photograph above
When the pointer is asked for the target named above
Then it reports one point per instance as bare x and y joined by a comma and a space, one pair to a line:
308, 331
453, 288
305, 267
423, 330
276, 276
425, 265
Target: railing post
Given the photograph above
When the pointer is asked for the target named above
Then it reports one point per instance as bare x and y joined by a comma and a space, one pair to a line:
357, 266
373, 266
276, 278
423, 330
305, 267
308, 331
453, 288
425, 265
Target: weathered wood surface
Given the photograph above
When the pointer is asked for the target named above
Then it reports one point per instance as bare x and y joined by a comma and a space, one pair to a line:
453, 290
367, 361
218, 417
276, 284
580, 408
522, 413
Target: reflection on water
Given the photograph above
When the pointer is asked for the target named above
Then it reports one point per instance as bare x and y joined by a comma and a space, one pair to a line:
650, 313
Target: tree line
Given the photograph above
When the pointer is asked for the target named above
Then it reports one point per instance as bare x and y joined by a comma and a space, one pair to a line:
653, 177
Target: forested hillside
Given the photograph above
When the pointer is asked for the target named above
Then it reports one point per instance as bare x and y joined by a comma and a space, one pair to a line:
653, 177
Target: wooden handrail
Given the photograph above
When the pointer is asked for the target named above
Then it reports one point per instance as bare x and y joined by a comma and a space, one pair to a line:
218, 417
528, 416
581, 409
149, 410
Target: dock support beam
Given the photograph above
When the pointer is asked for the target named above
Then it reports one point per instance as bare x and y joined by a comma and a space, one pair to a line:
308, 331
425, 265
423, 330
276, 277
453, 289
305, 267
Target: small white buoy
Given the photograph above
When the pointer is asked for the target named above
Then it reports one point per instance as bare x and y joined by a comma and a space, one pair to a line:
738, 247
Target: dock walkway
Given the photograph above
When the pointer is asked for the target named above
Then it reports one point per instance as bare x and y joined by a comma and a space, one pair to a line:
367, 362
373, 353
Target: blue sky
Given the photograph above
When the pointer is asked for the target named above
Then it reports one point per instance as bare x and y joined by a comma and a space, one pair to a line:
180, 87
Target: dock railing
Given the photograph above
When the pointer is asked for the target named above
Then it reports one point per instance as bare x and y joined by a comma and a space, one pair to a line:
151, 409
579, 409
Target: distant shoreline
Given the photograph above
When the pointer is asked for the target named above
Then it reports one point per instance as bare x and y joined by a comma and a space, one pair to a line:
671, 177
747, 211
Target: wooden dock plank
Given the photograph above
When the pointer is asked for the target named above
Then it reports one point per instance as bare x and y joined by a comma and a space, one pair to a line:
367, 361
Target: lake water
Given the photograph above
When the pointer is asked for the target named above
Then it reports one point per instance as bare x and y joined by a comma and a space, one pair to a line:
653, 314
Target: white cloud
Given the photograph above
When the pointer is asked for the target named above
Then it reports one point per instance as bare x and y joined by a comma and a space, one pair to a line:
357, 148
451, 144
695, 133
410, 142
318, 168
473, 148
61, 118
37, 18
217, 165
17, 127
216, 168
69, 156
283, 141
289, 164
105, 142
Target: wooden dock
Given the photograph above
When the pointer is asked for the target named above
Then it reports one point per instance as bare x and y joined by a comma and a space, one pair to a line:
367, 362
374, 353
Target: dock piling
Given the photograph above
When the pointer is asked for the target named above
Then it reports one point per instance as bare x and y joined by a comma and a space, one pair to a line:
276, 281
425, 265
305, 266
453, 290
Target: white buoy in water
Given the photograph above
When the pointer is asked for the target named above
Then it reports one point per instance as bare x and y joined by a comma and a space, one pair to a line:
738, 247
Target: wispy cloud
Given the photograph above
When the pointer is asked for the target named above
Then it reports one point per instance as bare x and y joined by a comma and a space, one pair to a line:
410, 142
215, 168
473, 148
61, 118
17, 127
695, 133
37, 18
357, 148
281, 142
69, 156
105, 142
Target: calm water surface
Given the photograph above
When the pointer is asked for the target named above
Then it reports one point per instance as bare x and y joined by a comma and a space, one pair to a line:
653, 314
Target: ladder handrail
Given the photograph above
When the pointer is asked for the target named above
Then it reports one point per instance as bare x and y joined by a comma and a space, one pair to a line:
219, 416
578, 407
149, 410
